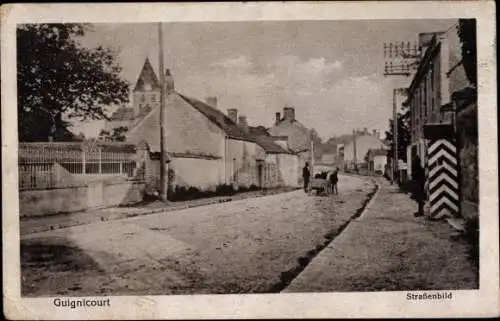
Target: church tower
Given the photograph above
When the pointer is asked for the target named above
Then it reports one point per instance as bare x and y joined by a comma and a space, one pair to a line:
146, 93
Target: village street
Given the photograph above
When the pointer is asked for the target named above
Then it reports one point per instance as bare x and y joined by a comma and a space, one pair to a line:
289, 242
247, 246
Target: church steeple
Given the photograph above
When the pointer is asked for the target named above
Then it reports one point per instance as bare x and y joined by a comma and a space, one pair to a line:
147, 80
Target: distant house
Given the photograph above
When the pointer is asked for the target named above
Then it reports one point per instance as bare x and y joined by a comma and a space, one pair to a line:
206, 148
280, 164
377, 160
356, 150
299, 137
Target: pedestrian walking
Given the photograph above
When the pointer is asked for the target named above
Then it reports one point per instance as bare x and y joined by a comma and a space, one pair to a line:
306, 175
419, 176
334, 179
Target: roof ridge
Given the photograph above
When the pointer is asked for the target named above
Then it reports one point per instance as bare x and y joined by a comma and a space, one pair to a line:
211, 113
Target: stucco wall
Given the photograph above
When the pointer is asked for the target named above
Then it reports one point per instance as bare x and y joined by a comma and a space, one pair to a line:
289, 169
204, 174
187, 130
241, 162
379, 163
79, 198
456, 73
298, 135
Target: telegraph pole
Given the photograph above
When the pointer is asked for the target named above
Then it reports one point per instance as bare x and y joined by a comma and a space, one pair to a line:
404, 58
163, 149
354, 150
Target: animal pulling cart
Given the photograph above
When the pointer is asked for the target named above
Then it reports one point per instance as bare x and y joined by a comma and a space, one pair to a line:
321, 184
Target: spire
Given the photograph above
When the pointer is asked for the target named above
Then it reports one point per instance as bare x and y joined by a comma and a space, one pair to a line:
147, 78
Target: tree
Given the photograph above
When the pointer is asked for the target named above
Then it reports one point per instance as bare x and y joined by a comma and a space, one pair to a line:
317, 143
467, 33
404, 135
117, 134
58, 78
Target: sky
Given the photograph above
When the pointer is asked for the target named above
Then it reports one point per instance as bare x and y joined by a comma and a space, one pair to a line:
330, 71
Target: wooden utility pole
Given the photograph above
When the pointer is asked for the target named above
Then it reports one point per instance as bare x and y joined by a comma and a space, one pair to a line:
312, 155
406, 58
354, 150
163, 149
395, 137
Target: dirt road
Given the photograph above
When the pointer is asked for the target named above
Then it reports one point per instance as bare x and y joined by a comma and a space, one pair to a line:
251, 246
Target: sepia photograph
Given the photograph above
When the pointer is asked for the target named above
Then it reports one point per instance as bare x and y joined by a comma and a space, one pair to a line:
294, 156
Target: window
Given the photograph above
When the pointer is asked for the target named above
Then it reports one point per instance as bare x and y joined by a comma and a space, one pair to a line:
153, 98
143, 98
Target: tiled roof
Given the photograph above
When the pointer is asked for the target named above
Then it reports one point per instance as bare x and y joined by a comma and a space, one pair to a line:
219, 118
256, 134
268, 144
147, 76
123, 113
258, 131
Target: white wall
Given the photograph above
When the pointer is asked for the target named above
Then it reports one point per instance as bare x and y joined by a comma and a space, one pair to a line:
201, 173
241, 162
289, 168
379, 162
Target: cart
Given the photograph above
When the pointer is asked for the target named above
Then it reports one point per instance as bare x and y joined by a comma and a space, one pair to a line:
321, 186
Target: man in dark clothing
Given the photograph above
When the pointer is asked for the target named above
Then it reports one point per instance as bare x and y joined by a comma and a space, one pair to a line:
306, 174
334, 178
418, 173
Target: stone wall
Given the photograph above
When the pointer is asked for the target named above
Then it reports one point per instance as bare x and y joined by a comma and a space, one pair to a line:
79, 198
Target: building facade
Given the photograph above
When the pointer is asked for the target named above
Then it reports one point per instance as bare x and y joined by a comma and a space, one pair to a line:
299, 136
206, 148
355, 152
439, 74
444, 139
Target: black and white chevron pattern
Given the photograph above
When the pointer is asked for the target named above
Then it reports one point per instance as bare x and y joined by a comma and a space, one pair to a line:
442, 178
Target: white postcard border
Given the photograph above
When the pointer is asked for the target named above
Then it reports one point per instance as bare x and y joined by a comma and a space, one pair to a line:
482, 302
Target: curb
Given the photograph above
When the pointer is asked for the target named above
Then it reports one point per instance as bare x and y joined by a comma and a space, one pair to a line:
288, 277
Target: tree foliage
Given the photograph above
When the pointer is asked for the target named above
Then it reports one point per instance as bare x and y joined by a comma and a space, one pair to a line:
467, 34
404, 135
116, 135
57, 78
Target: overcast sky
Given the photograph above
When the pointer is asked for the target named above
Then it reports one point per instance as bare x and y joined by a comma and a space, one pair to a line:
330, 71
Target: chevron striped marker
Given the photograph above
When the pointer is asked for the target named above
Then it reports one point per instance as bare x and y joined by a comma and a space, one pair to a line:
444, 195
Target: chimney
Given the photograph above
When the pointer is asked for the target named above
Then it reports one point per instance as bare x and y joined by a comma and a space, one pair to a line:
289, 113
378, 134
212, 101
374, 133
242, 122
278, 118
169, 82
233, 115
